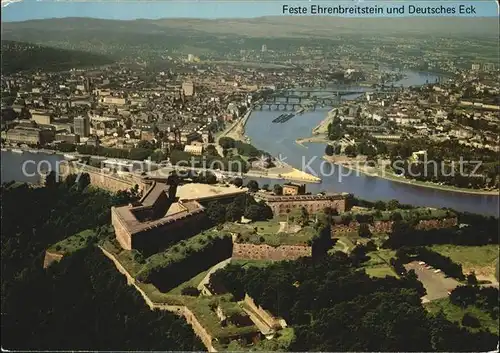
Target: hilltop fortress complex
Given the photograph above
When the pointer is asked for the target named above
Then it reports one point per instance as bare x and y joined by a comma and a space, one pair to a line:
167, 237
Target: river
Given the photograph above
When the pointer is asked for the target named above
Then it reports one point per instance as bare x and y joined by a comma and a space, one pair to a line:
279, 139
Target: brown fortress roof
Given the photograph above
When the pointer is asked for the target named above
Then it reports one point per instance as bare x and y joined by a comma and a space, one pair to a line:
156, 208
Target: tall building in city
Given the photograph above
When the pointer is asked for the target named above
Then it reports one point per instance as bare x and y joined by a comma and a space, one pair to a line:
476, 67
188, 88
82, 126
264, 48
88, 84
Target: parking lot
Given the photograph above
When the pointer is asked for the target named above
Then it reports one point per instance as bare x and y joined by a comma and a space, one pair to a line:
434, 281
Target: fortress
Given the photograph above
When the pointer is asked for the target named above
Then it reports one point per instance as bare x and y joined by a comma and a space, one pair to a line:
245, 251
100, 178
312, 203
157, 220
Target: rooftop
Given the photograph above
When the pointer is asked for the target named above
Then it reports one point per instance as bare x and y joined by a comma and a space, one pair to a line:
155, 197
195, 191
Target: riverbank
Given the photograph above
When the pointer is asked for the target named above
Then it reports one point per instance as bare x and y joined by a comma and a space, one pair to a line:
237, 130
322, 127
315, 139
284, 172
281, 172
377, 172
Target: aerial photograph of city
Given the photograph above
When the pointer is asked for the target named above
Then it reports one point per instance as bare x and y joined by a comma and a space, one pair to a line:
235, 176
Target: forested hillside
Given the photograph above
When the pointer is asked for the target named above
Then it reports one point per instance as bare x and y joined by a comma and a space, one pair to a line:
332, 306
19, 56
81, 303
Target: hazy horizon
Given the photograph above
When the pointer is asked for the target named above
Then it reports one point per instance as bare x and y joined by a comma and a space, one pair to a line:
13, 11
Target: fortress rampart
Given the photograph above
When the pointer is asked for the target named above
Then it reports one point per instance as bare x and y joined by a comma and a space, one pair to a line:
181, 310
312, 203
99, 178
266, 252
264, 315
386, 226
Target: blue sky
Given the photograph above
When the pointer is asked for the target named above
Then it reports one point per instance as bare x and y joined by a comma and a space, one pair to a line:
109, 9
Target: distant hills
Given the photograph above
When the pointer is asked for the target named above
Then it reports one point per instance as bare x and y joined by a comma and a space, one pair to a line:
283, 26
18, 56
207, 38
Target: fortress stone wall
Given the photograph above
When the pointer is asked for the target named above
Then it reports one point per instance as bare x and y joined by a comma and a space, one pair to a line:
386, 226
101, 179
312, 203
437, 223
264, 315
180, 310
266, 252
122, 235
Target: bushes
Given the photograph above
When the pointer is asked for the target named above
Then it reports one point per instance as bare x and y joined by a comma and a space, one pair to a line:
485, 298
191, 291
170, 269
470, 320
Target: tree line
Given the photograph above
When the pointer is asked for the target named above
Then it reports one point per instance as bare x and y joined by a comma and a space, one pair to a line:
333, 306
81, 303
432, 258
243, 205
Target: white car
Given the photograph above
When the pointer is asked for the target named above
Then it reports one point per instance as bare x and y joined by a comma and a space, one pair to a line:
421, 263
437, 271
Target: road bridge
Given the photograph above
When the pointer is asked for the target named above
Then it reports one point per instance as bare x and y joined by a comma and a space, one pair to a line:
283, 106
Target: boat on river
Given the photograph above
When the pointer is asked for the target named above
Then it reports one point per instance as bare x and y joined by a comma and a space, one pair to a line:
69, 157
16, 150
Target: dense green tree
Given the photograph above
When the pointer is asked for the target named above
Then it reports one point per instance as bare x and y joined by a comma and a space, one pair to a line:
51, 180
278, 189
83, 181
105, 303
364, 230
393, 205
238, 182
472, 279
469, 320
253, 186
329, 150
234, 211
216, 212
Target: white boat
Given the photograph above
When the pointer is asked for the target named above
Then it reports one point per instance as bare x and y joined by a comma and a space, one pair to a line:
15, 150
70, 157
4, 149
33, 151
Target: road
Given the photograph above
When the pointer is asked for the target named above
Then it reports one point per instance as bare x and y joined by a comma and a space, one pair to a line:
206, 279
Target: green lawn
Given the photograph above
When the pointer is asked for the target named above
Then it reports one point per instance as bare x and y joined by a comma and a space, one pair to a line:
380, 271
252, 263
202, 307
181, 250
456, 313
380, 257
481, 259
266, 232
72, 243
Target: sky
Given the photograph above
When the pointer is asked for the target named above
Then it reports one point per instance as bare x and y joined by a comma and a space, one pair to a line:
21, 10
